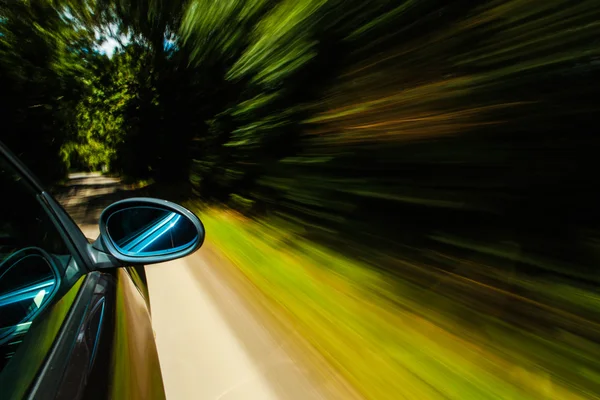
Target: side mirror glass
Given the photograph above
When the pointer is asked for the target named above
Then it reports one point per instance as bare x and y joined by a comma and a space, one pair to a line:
28, 280
145, 230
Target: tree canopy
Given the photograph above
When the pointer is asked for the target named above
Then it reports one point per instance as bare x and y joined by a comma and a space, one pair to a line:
336, 113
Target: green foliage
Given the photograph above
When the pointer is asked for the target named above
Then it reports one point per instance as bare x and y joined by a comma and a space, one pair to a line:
104, 116
361, 117
428, 334
43, 61
354, 118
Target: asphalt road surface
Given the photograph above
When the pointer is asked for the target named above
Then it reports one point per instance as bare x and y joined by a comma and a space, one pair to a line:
216, 338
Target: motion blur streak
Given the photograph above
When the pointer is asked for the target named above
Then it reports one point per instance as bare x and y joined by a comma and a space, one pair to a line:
412, 185
428, 333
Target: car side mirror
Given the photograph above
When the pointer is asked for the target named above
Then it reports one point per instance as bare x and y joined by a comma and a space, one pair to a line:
147, 231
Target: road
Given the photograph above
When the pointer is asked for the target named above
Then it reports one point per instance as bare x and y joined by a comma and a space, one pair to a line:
215, 338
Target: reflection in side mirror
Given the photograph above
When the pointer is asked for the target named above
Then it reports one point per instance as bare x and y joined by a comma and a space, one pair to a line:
148, 230
28, 280
144, 231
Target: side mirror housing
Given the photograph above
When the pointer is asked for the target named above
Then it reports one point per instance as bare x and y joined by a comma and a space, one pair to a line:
148, 231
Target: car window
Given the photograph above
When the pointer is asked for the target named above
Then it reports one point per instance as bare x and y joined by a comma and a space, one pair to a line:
33, 257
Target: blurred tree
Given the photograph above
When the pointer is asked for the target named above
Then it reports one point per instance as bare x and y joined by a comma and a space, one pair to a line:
43, 59
352, 117
359, 117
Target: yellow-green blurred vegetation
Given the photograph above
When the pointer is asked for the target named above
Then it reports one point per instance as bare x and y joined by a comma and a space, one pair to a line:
413, 182
425, 333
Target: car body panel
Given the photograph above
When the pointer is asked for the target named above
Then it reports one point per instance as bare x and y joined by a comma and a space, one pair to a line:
135, 365
20, 373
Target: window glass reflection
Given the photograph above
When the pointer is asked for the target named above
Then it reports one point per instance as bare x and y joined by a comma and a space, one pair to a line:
143, 231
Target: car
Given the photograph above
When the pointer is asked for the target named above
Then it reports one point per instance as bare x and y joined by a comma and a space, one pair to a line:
75, 319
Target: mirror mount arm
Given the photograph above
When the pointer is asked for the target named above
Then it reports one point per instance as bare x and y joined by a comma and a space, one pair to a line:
100, 255
98, 244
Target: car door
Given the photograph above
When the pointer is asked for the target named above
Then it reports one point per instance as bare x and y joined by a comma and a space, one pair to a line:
88, 337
